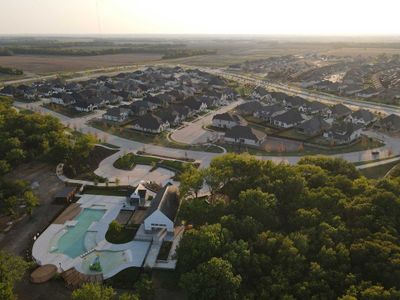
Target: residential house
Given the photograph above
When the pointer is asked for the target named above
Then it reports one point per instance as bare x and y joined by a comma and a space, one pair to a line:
361, 116
63, 99
140, 108
270, 111
116, 114
340, 111
8, 90
141, 194
390, 123
288, 119
295, 102
162, 213
313, 127
196, 104
151, 123
246, 135
226, 120
316, 107
343, 133
248, 108
169, 115
87, 105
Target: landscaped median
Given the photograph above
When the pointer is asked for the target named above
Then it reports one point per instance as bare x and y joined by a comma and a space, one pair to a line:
128, 161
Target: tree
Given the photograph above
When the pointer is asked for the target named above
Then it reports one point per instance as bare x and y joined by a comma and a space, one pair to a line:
31, 201
144, 287
12, 268
212, 280
191, 181
93, 291
126, 296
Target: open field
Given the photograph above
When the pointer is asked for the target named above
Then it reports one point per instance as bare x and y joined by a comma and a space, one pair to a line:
43, 64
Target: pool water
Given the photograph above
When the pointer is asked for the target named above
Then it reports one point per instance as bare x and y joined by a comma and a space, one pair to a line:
72, 243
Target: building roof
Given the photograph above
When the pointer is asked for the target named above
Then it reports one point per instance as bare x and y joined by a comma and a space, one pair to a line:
245, 132
363, 114
340, 110
249, 107
391, 121
315, 124
116, 111
227, 117
166, 201
149, 121
292, 116
316, 106
343, 130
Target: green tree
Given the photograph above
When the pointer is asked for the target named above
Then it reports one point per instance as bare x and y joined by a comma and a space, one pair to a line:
144, 287
93, 291
12, 269
191, 181
212, 280
31, 201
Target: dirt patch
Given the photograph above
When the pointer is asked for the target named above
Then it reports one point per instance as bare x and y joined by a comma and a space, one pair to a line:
41, 64
48, 185
138, 216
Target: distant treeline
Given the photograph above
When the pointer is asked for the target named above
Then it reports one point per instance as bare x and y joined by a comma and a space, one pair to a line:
186, 53
68, 49
10, 71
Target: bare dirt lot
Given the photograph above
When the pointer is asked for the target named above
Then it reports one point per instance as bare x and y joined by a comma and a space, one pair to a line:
19, 238
43, 64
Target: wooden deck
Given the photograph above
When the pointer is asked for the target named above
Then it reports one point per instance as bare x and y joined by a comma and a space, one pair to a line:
43, 273
74, 279
68, 214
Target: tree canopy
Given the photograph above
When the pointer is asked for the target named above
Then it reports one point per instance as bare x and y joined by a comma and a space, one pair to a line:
316, 230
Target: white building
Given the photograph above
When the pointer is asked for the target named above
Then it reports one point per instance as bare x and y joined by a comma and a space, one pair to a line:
163, 210
226, 120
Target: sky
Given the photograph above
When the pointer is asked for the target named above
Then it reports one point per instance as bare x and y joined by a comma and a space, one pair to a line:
266, 17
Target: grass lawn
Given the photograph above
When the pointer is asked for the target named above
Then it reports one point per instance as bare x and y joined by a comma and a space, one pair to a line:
164, 250
129, 160
292, 134
124, 236
66, 111
110, 145
378, 171
155, 139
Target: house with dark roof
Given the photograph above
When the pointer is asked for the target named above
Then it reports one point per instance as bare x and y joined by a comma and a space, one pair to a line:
361, 116
390, 123
140, 108
169, 115
196, 104
295, 102
269, 111
340, 111
8, 90
288, 119
226, 120
163, 210
343, 133
151, 123
248, 108
116, 114
245, 135
316, 107
313, 127
63, 99
87, 105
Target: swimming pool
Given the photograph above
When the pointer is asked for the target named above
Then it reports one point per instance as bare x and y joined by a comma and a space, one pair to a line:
72, 242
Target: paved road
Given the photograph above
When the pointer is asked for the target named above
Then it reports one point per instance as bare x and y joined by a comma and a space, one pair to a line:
193, 132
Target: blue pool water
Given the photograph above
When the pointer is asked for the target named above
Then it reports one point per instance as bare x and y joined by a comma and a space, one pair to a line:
72, 243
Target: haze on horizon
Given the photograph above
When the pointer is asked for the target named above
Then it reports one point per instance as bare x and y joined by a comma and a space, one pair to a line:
286, 17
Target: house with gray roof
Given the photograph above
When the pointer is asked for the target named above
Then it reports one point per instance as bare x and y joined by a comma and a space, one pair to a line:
163, 210
226, 120
269, 111
248, 108
361, 116
313, 127
288, 119
151, 123
116, 114
390, 123
246, 135
343, 133
340, 111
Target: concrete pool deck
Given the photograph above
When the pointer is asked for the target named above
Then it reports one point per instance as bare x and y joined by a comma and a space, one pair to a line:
115, 257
